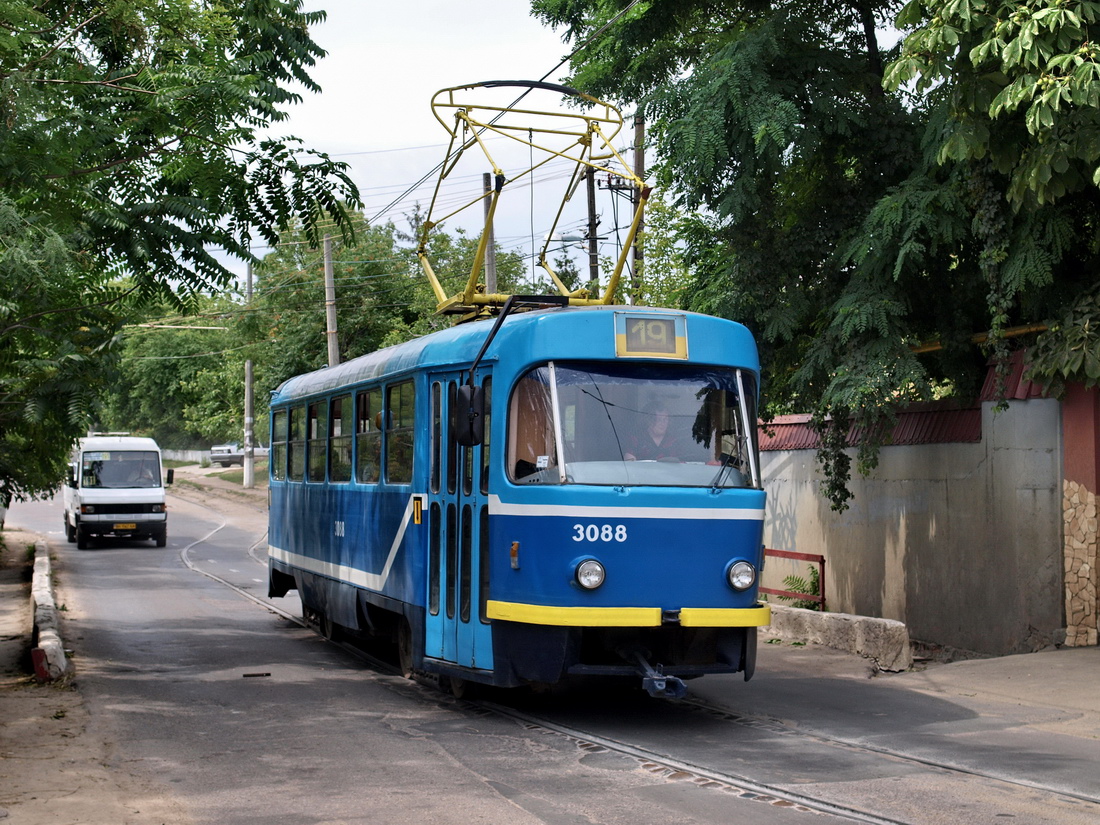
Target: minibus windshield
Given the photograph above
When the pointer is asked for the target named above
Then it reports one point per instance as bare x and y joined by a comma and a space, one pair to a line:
113, 469
634, 424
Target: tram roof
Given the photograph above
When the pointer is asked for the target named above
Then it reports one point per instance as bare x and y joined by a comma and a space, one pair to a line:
530, 336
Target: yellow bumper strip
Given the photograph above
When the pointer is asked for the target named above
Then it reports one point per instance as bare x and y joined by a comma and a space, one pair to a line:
726, 617
574, 616
626, 616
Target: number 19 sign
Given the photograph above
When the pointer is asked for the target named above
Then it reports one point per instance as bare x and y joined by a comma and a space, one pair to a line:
650, 335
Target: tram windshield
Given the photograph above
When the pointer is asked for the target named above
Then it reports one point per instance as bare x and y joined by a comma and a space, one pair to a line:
634, 424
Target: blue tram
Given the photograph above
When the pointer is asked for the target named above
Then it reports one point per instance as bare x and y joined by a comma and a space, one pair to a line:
564, 492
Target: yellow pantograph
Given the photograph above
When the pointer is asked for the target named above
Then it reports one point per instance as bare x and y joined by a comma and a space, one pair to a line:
583, 134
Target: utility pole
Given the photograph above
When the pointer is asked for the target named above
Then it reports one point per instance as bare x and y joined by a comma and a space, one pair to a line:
330, 306
593, 223
639, 171
491, 247
249, 466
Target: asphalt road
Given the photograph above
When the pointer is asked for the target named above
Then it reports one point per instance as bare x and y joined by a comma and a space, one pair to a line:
243, 716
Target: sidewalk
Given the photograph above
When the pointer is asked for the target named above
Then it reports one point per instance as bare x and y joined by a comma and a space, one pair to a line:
54, 763
204, 484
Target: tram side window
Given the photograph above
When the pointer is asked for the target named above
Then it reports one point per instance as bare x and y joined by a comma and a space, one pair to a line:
437, 437
531, 446
487, 387
399, 433
368, 435
339, 445
318, 440
296, 447
278, 444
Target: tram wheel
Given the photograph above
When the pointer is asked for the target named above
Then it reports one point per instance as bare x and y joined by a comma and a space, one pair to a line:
405, 649
329, 628
461, 688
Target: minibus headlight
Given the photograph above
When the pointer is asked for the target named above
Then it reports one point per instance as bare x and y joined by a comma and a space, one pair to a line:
590, 574
741, 575
86, 509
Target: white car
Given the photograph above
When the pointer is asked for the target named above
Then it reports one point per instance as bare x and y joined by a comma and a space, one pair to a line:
227, 455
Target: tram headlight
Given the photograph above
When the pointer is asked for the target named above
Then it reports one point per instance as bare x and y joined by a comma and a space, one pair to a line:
590, 574
741, 575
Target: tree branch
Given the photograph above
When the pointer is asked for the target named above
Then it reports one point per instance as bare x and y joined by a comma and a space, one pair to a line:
22, 322
64, 39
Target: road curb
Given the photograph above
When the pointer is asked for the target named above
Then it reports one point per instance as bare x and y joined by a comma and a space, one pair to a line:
886, 641
48, 654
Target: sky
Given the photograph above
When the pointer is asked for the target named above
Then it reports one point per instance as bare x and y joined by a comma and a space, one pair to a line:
385, 62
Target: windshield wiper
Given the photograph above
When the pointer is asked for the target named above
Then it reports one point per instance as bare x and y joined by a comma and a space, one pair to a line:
727, 462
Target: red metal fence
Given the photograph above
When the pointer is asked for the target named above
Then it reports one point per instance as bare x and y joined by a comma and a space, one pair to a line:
802, 597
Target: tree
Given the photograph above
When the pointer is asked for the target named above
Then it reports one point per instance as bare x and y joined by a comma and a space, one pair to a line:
135, 128
829, 216
383, 296
55, 324
135, 139
181, 377
1016, 88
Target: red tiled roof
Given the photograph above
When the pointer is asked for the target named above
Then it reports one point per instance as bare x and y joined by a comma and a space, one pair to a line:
1016, 388
935, 423
940, 422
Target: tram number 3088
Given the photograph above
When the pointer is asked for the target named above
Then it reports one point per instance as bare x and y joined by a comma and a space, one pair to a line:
597, 532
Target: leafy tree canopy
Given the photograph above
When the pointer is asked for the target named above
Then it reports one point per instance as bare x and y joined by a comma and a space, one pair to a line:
847, 222
182, 377
134, 129
134, 141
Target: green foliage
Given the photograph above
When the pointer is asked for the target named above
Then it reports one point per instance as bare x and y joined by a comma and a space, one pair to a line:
852, 201
186, 386
811, 586
133, 129
57, 330
177, 381
1022, 82
1070, 352
665, 278
135, 138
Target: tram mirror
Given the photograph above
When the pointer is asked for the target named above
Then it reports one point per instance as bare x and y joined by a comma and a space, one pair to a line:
468, 416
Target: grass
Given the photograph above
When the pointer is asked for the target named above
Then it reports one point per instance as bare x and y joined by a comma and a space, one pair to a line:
236, 475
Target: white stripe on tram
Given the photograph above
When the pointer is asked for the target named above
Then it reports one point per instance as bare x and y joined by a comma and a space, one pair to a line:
500, 508
351, 575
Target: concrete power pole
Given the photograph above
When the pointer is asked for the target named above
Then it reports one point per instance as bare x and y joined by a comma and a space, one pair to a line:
639, 170
491, 247
330, 306
249, 466
593, 225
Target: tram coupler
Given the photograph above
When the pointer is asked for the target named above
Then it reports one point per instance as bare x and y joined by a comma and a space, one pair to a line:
658, 684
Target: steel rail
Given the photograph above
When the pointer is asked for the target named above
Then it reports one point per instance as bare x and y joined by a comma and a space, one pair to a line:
747, 787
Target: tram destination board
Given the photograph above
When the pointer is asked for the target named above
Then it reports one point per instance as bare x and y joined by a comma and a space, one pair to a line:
650, 335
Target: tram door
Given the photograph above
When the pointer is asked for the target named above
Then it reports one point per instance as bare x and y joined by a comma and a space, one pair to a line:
457, 628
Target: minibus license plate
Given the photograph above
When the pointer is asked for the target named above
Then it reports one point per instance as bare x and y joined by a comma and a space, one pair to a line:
130, 526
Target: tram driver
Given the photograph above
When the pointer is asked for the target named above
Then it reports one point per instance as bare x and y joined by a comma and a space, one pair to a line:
655, 440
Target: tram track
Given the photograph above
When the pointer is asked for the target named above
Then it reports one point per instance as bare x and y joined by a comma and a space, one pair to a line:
835, 741
666, 766
680, 769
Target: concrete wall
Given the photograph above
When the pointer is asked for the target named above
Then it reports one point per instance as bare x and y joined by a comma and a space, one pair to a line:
961, 542
192, 456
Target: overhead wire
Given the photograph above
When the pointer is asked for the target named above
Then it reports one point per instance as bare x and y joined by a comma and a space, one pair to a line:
524, 94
